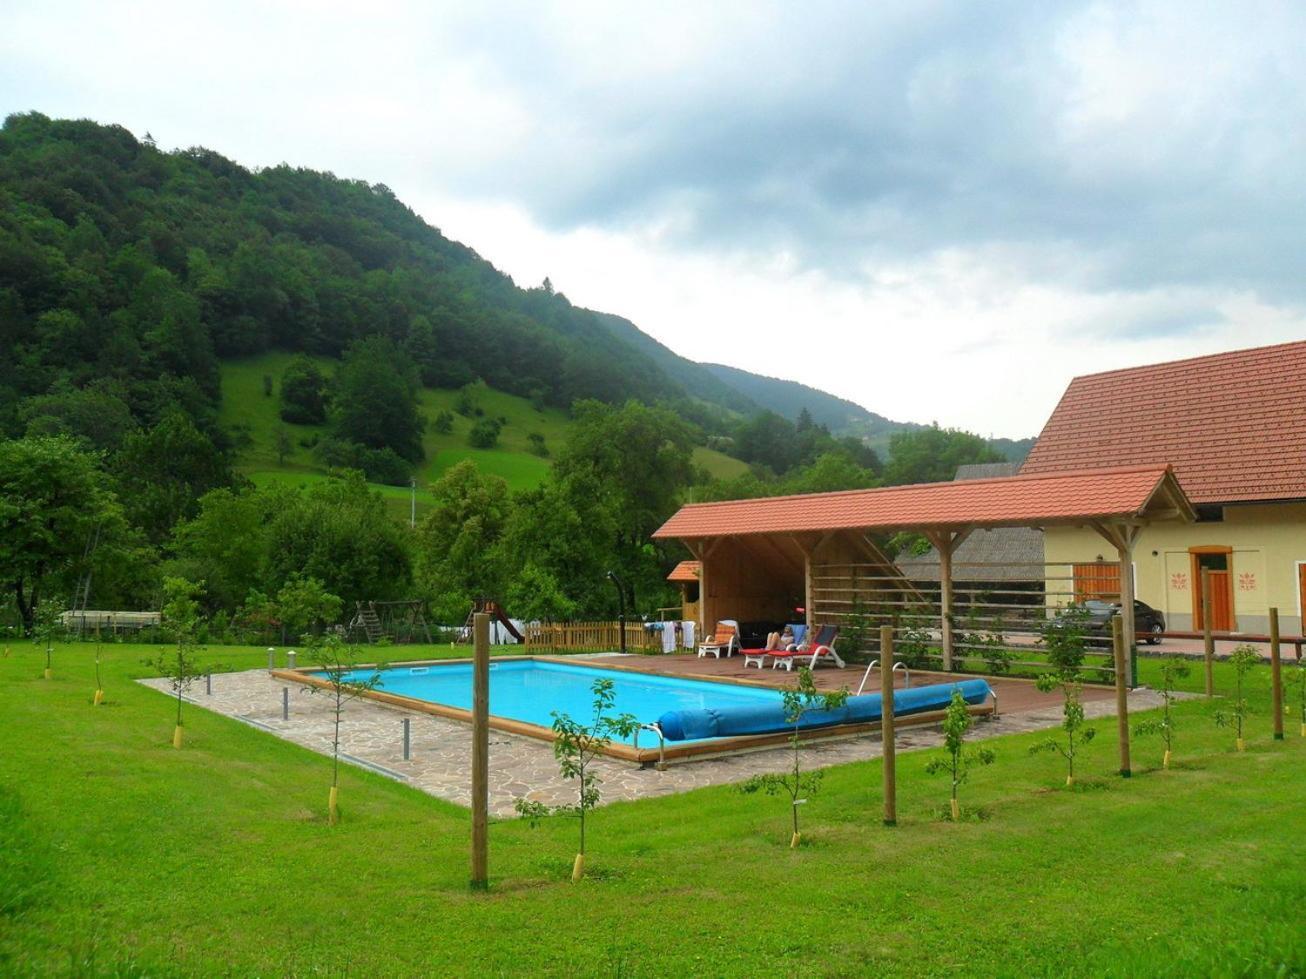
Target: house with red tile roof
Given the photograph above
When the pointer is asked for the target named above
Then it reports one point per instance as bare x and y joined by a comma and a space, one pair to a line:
1233, 428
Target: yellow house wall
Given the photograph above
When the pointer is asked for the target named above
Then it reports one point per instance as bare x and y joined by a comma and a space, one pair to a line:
1268, 541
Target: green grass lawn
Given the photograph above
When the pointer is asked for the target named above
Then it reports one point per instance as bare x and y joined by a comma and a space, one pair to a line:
122, 856
245, 406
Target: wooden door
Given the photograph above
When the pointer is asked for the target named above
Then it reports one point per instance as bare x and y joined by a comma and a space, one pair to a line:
1097, 580
1217, 561
1222, 617
1301, 593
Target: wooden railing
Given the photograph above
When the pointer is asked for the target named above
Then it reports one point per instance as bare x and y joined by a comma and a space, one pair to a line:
596, 637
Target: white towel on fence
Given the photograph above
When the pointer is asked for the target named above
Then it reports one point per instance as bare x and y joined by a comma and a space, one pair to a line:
687, 634
668, 637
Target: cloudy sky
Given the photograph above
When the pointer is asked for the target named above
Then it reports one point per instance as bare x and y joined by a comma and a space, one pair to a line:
940, 210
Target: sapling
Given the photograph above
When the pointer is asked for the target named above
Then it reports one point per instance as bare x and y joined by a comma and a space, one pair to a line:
1172, 670
46, 627
1297, 678
956, 722
795, 783
1064, 638
345, 682
99, 686
575, 746
181, 621
1243, 658
1072, 719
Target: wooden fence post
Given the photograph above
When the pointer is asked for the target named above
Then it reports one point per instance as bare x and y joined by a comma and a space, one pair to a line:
1122, 693
1276, 675
480, 750
1208, 641
886, 726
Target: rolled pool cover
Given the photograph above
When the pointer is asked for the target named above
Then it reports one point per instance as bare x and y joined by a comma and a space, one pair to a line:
731, 722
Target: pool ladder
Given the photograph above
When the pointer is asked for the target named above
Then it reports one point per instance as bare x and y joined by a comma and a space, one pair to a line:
662, 742
896, 667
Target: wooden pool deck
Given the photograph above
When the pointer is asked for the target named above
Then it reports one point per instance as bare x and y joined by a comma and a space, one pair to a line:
1014, 695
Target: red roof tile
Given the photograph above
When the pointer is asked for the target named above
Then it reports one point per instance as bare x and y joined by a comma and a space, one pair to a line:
1008, 501
1232, 425
686, 571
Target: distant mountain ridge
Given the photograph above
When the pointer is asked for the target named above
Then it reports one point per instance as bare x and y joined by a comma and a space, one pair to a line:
789, 398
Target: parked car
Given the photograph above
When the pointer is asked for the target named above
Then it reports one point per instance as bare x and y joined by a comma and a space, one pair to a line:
1148, 622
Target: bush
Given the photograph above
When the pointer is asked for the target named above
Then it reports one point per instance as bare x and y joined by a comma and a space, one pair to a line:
484, 434
465, 403
537, 444
443, 422
378, 465
303, 393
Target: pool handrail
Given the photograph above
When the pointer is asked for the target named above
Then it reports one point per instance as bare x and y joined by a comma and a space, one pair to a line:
662, 741
906, 672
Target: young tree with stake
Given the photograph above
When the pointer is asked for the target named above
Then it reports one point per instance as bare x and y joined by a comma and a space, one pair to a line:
1172, 670
98, 699
576, 746
1244, 659
1072, 721
956, 722
181, 621
1298, 680
47, 626
345, 682
1064, 638
795, 783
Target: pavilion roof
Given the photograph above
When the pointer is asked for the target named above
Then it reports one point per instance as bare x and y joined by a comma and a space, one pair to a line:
1078, 497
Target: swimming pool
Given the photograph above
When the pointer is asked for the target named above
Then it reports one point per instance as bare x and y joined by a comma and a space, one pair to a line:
526, 690
529, 691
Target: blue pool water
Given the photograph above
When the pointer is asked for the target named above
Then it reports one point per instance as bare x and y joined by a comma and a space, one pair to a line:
525, 690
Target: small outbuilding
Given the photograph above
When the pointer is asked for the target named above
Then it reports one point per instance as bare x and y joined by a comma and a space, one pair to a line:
765, 558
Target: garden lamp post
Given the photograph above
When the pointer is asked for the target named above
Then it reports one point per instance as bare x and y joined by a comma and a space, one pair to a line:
621, 607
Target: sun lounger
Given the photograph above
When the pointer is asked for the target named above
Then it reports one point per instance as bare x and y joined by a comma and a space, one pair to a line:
758, 656
726, 637
818, 649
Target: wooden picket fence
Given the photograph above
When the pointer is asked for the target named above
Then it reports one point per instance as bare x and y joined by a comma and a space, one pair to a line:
598, 637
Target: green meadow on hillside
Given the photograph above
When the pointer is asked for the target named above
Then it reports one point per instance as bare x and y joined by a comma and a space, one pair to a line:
246, 408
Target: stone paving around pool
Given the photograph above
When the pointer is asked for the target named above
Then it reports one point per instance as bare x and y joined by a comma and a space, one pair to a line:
371, 735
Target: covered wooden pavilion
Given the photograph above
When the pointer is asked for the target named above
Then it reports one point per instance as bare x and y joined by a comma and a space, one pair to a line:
763, 558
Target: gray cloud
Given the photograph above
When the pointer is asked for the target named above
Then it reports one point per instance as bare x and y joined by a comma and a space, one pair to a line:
1140, 145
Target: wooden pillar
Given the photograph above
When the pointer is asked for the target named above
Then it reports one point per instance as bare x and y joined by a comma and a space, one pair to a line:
480, 750
1125, 551
886, 726
807, 589
946, 543
1122, 692
945, 600
700, 554
1276, 675
1208, 640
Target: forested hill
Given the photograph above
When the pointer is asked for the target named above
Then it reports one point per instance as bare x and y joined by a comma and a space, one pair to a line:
790, 398
120, 260
699, 380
